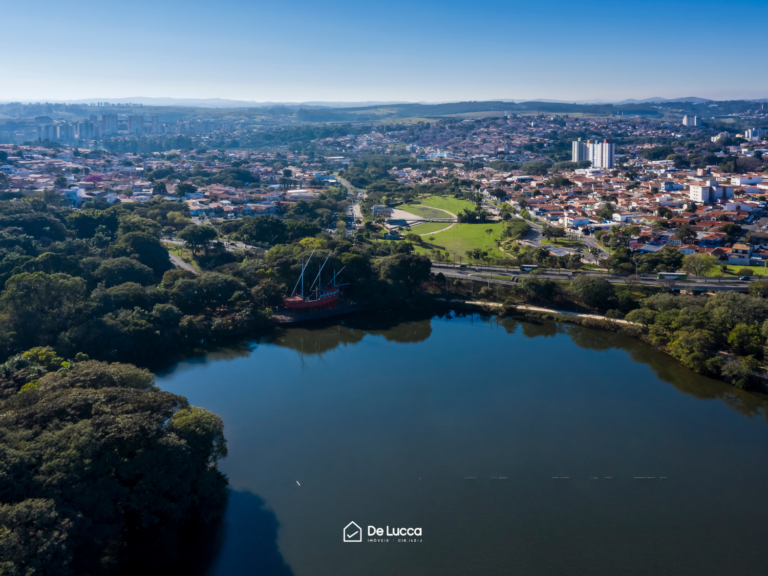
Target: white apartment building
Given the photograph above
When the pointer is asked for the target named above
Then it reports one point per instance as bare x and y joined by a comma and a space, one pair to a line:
690, 120
600, 153
84, 130
746, 179
47, 132
709, 191
108, 124
157, 128
579, 151
136, 124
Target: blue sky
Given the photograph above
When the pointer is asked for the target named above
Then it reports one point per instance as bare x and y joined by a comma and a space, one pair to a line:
415, 50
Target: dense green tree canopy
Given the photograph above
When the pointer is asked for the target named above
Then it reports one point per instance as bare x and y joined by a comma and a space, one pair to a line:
99, 469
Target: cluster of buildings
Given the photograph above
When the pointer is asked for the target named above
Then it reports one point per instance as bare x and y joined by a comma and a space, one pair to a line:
601, 153
125, 178
651, 208
112, 124
617, 189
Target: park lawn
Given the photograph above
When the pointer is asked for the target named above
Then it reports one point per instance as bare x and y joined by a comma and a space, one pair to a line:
428, 227
449, 203
734, 268
424, 211
463, 237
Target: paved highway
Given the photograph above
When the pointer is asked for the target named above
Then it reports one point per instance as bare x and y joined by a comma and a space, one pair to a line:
480, 274
356, 194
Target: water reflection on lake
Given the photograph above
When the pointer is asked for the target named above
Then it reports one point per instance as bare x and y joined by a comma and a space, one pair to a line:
518, 447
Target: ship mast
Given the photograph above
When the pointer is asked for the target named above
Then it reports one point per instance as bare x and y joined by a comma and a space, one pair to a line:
335, 274
301, 278
318, 276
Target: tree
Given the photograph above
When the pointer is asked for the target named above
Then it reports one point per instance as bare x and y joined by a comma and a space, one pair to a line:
498, 193
594, 291
684, 232
197, 237
267, 229
298, 229
86, 222
738, 372
4, 182
177, 220
746, 339
559, 181
538, 289
185, 188
759, 288
121, 270
159, 189
147, 249
550, 232
60, 182
38, 306
699, 264
642, 316
135, 223
693, 347
408, 269
657, 152
536, 168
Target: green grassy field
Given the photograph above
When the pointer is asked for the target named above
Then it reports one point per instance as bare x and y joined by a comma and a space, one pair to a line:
449, 203
463, 237
732, 272
428, 227
424, 211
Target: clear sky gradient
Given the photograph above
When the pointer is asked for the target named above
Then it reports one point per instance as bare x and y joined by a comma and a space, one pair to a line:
415, 50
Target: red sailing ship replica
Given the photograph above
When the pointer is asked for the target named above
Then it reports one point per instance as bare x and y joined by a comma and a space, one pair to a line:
324, 296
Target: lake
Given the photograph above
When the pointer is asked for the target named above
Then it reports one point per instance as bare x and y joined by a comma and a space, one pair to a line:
516, 448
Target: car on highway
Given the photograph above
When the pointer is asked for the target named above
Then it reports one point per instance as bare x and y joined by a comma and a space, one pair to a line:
745, 278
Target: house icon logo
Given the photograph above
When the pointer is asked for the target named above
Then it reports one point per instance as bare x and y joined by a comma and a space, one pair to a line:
353, 533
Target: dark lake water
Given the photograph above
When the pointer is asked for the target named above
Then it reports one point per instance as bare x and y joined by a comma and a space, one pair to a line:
517, 447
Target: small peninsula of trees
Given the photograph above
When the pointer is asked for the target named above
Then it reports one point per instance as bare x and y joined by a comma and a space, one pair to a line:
99, 469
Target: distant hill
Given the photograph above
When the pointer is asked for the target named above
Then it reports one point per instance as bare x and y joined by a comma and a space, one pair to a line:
226, 103
222, 102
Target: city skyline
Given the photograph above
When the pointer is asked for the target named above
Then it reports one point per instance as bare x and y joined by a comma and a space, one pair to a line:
341, 52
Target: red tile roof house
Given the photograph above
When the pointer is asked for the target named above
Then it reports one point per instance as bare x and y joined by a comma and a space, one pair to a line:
739, 254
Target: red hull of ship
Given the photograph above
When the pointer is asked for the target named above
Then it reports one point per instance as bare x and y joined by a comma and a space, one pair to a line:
298, 304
